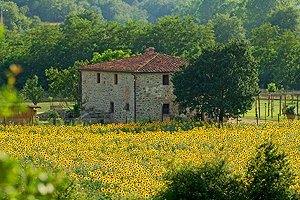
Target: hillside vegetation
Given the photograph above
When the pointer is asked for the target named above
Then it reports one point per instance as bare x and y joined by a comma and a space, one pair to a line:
50, 33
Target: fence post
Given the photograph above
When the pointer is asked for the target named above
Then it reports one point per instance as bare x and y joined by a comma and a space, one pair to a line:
280, 105
268, 105
272, 106
258, 107
265, 112
285, 100
297, 104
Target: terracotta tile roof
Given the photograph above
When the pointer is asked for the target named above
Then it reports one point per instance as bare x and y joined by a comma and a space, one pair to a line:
150, 61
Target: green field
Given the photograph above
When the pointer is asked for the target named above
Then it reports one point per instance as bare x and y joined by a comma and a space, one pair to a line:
264, 110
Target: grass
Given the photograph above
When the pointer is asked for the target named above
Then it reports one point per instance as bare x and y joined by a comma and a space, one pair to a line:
45, 106
264, 110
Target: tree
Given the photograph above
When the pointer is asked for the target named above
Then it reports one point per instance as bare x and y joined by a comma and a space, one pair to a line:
269, 175
203, 10
223, 80
286, 18
64, 83
43, 41
227, 28
14, 17
158, 8
109, 55
277, 56
263, 40
174, 35
32, 90
257, 11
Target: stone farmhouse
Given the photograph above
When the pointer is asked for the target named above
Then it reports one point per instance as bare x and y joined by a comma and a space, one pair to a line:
131, 89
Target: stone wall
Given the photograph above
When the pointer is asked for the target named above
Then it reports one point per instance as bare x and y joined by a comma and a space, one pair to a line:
152, 94
98, 96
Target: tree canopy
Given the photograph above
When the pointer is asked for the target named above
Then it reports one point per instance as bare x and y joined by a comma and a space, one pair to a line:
223, 80
41, 34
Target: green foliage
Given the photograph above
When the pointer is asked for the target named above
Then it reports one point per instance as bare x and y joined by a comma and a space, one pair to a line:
286, 18
109, 55
10, 100
276, 54
1, 32
175, 35
272, 88
227, 28
32, 90
257, 12
53, 115
23, 181
269, 175
289, 110
213, 180
65, 83
223, 80
82, 30
15, 17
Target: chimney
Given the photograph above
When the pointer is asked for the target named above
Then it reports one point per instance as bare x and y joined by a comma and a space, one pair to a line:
150, 50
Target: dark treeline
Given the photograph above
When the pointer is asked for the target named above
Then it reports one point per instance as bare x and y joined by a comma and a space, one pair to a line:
50, 33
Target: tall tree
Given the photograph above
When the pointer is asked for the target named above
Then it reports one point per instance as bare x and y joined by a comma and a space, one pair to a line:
227, 28
14, 17
44, 41
79, 39
223, 80
64, 83
277, 56
257, 12
32, 90
175, 35
264, 39
286, 18
158, 8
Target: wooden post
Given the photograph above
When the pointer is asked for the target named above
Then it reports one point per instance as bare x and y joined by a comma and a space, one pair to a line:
285, 100
297, 104
258, 107
256, 115
272, 106
280, 105
265, 112
269, 101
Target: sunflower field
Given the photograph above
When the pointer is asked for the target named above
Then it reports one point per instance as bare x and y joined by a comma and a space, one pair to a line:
129, 161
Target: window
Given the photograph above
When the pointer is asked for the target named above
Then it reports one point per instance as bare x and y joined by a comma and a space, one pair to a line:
98, 77
116, 79
165, 79
127, 106
166, 109
112, 107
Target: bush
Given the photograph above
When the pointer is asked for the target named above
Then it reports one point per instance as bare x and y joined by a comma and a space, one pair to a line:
210, 181
27, 182
271, 88
269, 175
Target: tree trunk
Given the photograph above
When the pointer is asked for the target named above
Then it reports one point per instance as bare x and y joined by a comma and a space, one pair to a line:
221, 116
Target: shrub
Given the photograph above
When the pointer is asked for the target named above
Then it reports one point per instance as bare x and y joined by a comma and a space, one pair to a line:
271, 88
27, 182
213, 180
269, 175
